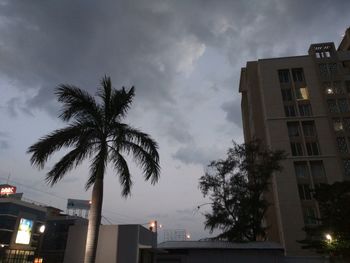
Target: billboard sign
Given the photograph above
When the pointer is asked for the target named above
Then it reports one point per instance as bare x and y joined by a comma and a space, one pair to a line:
78, 204
6, 189
24, 231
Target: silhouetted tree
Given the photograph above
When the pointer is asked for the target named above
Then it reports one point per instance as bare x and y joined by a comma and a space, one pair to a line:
96, 131
236, 187
334, 204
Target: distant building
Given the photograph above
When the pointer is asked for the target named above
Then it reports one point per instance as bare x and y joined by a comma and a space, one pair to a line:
30, 230
301, 105
20, 223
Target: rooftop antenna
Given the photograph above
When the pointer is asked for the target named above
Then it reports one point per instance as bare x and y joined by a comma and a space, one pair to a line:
8, 178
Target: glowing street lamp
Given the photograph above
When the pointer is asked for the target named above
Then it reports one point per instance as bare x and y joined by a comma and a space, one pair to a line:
329, 238
42, 229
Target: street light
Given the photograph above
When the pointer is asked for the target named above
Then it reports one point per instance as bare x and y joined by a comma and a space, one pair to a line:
329, 238
42, 229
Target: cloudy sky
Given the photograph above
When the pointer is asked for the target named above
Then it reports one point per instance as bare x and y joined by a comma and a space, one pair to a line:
183, 57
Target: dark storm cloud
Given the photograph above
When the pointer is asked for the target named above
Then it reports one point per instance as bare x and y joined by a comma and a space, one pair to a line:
149, 43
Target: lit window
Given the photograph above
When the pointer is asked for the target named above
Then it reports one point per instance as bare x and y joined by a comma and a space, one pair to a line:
317, 169
309, 128
338, 124
341, 143
305, 109
293, 129
312, 148
297, 149
302, 93
301, 170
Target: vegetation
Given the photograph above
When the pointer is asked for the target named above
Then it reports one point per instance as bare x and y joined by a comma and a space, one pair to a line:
236, 186
332, 233
96, 131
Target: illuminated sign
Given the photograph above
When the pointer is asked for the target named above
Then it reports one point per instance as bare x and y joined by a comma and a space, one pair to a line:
6, 189
24, 231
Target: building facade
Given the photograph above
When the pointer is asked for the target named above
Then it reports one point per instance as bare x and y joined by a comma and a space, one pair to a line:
301, 105
20, 234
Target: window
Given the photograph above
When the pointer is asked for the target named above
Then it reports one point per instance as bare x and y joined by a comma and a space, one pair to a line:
324, 70
283, 75
293, 129
337, 88
297, 149
312, 148
302, 93
305, 109
317, 169
328, 88
298, 74
346, 124
287, 94
310, 216
304, 192
346, 163
289, 110
333, 69
347, 86
301, 170
343, 105
332, 106
309, 128
338, 124
341, 143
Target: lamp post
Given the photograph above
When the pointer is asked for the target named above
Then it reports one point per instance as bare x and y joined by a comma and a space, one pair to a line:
39, 259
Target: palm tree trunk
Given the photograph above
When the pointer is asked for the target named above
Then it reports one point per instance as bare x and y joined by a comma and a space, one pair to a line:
94, 221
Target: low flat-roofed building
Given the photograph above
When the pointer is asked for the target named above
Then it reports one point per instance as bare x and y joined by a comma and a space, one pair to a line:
116, 244
224, 252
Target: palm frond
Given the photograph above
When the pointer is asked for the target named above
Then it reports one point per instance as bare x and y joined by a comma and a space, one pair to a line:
67, 163
122, 169
144, 159
78, 103
123, 132
120, 102
104, 92
53, 142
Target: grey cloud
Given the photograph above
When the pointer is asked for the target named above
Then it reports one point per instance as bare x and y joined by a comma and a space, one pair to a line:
233, 112
4, 145
192, 154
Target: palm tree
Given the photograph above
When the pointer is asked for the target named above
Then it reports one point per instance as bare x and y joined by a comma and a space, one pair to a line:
95, 131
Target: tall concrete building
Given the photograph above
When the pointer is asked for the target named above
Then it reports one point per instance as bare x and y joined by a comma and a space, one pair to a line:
301, 105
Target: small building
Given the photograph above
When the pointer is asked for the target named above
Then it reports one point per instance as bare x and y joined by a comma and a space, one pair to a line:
20, 223
225, 252
116, 244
